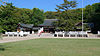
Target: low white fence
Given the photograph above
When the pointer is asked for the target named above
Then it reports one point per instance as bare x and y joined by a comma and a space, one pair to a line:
71, 33
98, 32
17, 33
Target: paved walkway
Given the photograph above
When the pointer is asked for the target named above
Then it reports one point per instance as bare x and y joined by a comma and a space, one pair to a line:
14, 39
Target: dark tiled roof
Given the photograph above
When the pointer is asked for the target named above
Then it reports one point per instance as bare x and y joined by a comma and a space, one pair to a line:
26, 25
48, 22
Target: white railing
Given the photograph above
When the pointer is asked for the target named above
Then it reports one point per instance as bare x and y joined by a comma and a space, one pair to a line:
60, 33
76, 33
17, 33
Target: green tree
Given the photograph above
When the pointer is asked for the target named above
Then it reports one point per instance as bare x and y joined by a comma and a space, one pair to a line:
37, 16
10, 16
66, 5
66, 17
92, 13
51, 15
6, 20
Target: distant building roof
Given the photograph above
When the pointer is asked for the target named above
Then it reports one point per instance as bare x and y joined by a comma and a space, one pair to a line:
48, 22
26, 25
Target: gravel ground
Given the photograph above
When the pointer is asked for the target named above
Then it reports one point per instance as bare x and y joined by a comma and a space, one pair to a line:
14, 39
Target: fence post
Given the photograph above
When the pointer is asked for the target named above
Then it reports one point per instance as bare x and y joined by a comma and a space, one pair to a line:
13, 35
69, 35
63, 35
57, 34
8, 35
17, 35
76, 35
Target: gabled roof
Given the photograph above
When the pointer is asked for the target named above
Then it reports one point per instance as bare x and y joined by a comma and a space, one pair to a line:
48, 22
26, 25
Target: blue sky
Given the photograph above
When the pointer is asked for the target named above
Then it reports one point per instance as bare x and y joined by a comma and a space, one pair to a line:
46, 5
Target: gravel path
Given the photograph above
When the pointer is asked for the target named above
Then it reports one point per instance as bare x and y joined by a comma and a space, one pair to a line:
14, 39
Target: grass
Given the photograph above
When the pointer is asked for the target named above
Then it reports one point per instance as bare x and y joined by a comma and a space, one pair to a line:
52, 47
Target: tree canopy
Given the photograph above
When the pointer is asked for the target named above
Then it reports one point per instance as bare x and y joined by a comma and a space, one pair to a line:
66, 5
10, 16
92, 14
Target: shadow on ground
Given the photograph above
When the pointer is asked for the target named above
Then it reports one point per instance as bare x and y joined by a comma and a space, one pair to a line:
2, 48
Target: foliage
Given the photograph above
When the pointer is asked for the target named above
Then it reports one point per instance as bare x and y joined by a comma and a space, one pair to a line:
37, 16
1, 30
51, 15
10, 16
92, 13
6, 20
66, 5
67, 25
68, 18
